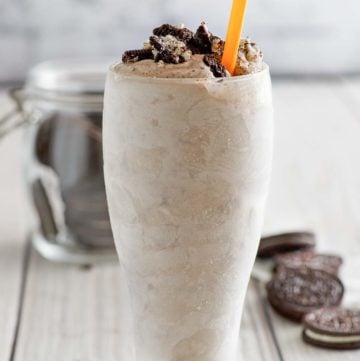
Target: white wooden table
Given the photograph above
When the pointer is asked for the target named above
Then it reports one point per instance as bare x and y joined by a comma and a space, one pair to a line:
65, 313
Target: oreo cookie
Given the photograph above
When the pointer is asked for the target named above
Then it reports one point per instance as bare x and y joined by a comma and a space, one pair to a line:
132, 56
163, 53
202, 43
181, 33
216, 67
334, 327
177, 44
286, 242
296, 292
324, 262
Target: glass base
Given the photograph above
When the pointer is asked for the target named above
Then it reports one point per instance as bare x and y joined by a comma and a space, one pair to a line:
73, 253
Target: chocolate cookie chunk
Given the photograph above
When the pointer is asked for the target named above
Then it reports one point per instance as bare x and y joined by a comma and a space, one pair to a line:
132, 56
295, 292
169, 49
333, 327
202, 40
216, 67
325, 262
286, 242
181, 33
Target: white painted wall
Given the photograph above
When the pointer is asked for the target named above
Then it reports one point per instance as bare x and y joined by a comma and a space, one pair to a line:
297, 36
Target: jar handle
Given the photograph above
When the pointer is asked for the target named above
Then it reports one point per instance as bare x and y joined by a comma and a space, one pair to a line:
14, 118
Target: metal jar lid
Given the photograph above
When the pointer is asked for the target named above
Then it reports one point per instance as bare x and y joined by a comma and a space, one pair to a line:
72, 83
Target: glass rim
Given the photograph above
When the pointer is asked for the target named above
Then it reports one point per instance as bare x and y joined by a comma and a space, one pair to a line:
147, 79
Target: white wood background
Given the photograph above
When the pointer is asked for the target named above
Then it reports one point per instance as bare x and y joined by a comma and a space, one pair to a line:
64, 313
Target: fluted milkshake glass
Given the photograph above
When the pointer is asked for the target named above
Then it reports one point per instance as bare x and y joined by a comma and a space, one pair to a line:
187, 166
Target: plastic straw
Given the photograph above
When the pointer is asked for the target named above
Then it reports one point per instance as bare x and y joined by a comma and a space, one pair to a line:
233, 36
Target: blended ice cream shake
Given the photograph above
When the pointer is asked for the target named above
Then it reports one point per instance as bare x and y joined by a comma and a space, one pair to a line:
187, 157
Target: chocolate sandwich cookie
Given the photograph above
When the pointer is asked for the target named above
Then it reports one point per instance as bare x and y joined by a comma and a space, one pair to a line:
286, 242
178, 32
295, 292
132, 56
333, 327
325, 262
216, 67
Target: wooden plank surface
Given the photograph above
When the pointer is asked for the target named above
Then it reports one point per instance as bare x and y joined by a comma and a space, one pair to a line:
316, 185
316, 177
70, 314
12, 237
257, 340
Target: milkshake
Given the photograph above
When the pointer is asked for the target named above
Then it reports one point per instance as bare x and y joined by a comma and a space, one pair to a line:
187, 157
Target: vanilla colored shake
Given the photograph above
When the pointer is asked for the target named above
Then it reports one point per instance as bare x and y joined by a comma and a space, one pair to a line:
187, 155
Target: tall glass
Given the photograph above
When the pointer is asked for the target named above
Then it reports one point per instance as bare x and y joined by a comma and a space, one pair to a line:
187, 167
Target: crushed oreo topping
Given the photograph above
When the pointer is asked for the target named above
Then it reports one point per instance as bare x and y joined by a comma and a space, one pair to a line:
169, 49
249, 58
201, 42
132, 56
216, 67
176, 44
179, 32
217, 46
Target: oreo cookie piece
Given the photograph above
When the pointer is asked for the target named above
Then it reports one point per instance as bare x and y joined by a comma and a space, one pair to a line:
325, 262
132, 56
333, 327
169, 49
181, 33
202, 40
296, 292
216, 67
286, 242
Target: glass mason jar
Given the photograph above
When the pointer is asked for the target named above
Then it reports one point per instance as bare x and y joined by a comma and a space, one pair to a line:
61, 104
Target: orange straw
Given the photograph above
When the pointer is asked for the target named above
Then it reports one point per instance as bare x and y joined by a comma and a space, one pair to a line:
234, 35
